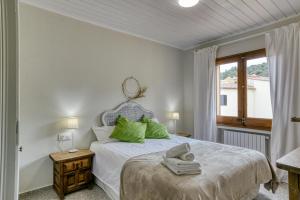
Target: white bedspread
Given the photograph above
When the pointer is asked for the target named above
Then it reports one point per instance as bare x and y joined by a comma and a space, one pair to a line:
110, 157
228, 173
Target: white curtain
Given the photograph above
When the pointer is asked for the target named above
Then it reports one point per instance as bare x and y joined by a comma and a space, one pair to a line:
205, 94
283, 51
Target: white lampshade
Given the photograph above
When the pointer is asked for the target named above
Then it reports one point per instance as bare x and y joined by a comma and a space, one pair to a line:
174, 115
72, 123
187, 3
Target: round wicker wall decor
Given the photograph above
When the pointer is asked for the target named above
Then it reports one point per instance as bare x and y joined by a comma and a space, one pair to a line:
132, 89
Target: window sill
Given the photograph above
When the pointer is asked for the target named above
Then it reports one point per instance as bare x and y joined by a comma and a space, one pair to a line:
232, 128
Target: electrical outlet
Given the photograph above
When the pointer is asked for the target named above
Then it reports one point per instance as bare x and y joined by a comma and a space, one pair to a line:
63, 137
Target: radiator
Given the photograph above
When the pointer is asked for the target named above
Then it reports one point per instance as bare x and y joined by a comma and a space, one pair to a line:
255, 141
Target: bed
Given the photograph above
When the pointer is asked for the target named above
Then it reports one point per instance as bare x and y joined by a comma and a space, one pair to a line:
227, 172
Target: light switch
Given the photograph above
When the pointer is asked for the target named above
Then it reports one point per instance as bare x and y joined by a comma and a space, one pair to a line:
64, 137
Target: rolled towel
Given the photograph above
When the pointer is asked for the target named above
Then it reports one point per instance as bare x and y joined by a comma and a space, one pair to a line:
187, 156
181, 171
178, 150
181, 163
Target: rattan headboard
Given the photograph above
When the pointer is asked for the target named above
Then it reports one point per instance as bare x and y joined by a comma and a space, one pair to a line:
131, 110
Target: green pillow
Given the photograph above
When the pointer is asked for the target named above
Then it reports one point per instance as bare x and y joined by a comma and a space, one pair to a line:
129, 131
155, 130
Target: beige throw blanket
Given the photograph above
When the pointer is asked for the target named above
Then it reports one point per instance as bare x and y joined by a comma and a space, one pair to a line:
228, 173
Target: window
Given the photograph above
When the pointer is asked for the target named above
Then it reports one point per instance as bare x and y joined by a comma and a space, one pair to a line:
243, 91
227, 76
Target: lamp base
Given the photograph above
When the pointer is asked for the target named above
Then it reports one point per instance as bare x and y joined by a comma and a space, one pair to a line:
73, 150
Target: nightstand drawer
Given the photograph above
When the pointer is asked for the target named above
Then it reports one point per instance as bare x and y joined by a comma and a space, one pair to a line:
79, 164
69, 166
83, 163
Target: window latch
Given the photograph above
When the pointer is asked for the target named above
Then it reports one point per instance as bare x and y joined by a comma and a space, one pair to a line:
242, 120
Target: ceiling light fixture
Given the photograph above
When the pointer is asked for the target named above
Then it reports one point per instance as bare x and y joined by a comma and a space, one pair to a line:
187, 3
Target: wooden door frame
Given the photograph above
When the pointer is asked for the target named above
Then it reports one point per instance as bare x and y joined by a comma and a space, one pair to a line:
9, 99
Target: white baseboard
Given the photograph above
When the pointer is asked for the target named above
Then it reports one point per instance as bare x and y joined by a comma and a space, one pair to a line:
33, 189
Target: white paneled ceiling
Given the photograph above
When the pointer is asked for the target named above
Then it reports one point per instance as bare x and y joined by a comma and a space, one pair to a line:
165, 22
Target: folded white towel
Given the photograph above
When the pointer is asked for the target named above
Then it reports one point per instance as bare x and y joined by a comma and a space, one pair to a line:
181, 163
178, 150
181, 171
182, 168
187, 156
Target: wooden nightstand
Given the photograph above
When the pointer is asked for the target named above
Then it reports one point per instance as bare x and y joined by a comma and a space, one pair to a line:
71, 171
291, 163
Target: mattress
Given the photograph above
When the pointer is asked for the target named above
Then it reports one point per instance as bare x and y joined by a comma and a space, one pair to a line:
110, 158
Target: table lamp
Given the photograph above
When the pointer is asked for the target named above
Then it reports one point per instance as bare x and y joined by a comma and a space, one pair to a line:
174, 116
72, 123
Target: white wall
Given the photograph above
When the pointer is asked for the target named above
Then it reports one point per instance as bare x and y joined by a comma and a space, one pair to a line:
242, 46
188, 64
71, 68
257, 107
230, 109
226, 50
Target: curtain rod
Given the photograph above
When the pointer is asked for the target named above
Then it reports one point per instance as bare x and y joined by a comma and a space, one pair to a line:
250, 33
231, 41
212, 43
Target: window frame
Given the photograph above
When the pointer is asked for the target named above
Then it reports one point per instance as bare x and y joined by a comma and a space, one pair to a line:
242, 120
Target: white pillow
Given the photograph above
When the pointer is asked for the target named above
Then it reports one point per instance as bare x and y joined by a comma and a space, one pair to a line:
102, 133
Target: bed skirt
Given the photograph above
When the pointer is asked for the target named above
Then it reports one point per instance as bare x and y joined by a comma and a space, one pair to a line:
107, 189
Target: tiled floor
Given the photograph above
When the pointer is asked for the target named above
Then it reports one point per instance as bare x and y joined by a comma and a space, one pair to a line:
281, 193
98, 194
